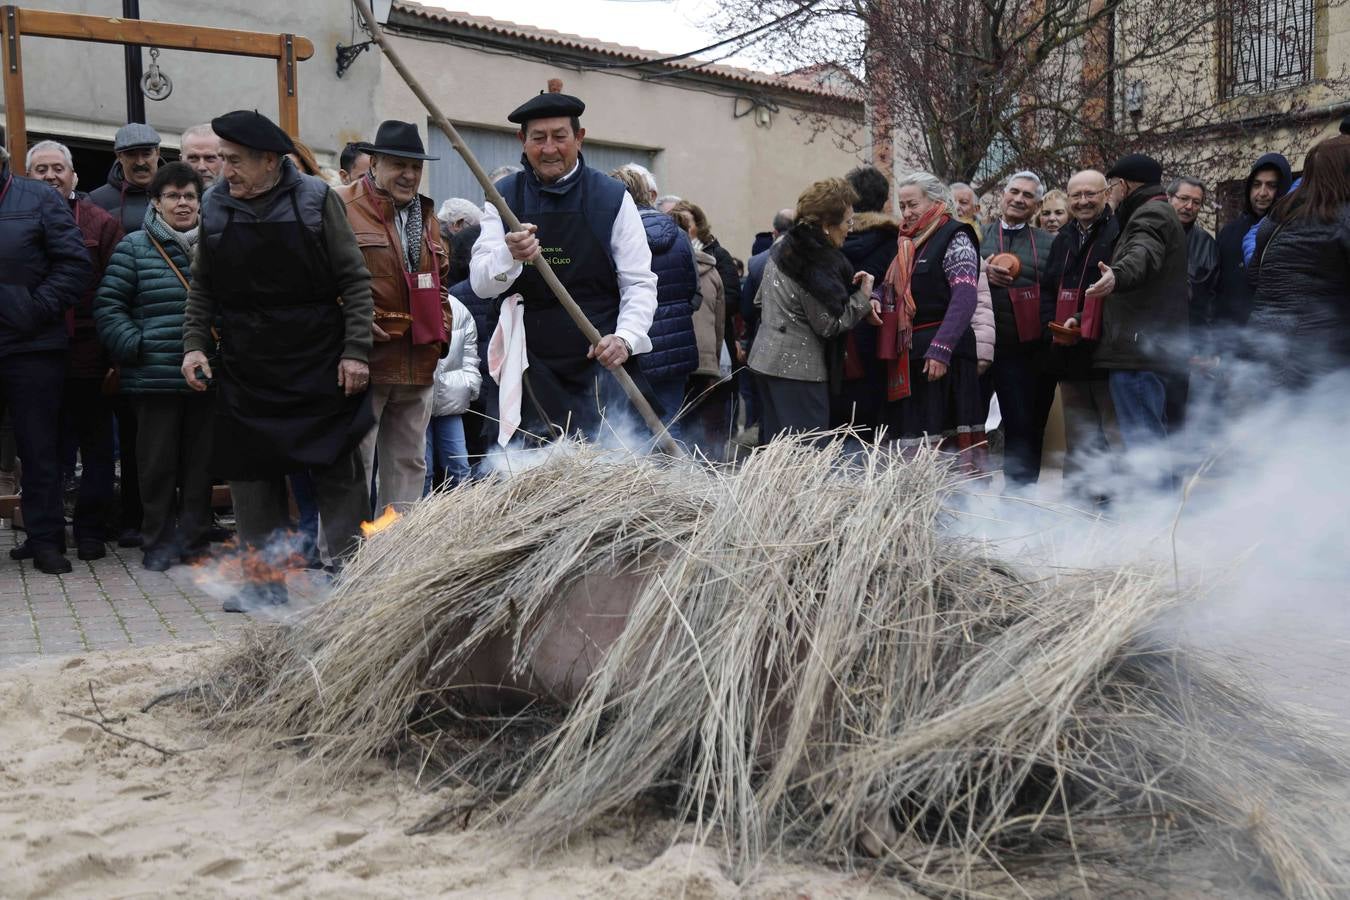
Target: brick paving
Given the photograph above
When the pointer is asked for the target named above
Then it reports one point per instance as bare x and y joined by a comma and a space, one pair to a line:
114, 604
1298, 649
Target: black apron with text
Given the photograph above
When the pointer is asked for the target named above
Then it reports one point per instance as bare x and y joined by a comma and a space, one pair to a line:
280, 408
564, 390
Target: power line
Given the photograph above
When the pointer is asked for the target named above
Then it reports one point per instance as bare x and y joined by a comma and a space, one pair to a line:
773, 23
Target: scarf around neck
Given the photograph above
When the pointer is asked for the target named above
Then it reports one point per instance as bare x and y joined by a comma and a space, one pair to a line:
412, 252
163, 232
897, 283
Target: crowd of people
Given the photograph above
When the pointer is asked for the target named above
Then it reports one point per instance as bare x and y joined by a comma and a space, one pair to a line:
337, 340
1108, 293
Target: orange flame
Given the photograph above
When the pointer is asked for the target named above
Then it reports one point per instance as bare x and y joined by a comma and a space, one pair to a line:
383, 521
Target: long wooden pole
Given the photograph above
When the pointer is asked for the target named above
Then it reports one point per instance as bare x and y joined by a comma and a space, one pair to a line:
513, 224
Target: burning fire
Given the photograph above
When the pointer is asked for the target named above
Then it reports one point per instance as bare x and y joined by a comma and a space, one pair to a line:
383, 521
235, 564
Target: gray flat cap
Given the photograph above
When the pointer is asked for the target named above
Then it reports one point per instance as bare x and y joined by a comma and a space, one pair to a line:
133, 135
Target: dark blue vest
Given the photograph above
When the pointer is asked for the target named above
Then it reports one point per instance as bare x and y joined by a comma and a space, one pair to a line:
674, 350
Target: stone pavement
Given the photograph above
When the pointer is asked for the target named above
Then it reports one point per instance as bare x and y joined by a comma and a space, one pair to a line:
113, 604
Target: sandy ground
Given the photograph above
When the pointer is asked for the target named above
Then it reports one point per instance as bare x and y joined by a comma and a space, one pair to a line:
85, 814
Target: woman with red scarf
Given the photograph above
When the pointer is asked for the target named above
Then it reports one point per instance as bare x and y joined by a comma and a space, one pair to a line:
928, 297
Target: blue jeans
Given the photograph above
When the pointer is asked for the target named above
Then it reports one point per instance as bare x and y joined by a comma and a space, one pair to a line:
1140, 399
447, 451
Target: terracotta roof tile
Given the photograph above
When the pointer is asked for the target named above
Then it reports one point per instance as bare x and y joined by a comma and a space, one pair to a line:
789, 83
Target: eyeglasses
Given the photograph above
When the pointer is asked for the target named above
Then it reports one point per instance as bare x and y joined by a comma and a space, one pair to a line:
174, 197
1188, 201
1086, 195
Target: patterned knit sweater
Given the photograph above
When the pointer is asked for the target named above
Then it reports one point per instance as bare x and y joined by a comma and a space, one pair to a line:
961, 265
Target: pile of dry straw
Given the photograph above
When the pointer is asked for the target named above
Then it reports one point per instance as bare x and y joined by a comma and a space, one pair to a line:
812, 665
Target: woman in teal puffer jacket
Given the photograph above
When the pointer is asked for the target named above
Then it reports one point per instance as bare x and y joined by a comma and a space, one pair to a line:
139, 315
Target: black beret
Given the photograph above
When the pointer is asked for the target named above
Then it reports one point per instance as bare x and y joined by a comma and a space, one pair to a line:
547, 105
1345, 125
250, 128
1137, 167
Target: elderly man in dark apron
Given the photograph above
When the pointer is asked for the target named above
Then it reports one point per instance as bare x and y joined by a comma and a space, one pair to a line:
279, 276
588, 228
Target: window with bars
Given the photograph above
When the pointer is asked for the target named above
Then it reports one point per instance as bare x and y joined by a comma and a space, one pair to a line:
1266, 45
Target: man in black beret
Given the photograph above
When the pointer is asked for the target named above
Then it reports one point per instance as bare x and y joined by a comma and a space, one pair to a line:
279, 273
588, 228
1145, 298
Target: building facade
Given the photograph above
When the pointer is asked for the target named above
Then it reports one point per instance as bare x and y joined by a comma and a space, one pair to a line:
741, 144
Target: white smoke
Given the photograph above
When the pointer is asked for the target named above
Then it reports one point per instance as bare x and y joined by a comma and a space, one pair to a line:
1258, 527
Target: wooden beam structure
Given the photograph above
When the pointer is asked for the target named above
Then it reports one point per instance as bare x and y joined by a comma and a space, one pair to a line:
16, 135
285, 49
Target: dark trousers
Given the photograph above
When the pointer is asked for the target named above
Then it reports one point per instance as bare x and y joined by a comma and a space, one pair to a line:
341, 491
1025, 395
302, 489
173, 453
708, 420
1178, 389
87, 423
125, 408
32, 384
669, 394
788, 405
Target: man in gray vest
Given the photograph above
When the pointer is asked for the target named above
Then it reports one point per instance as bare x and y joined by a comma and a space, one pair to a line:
279, 271
1025, 392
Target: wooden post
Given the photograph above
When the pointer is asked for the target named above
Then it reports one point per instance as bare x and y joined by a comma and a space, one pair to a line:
512, 223
286, 49
288, 104
16, 133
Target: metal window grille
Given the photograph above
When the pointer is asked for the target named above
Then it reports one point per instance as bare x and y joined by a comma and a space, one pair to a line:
1267, 45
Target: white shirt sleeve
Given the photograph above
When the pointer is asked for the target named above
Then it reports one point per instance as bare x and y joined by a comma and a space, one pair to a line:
637, 281
491, 269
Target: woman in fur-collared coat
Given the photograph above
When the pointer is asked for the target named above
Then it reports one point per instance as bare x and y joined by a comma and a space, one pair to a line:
809, 298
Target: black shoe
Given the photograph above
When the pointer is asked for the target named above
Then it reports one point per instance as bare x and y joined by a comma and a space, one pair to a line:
91, 550
129, 537
253, 596
51, 561
195, 555
23, 551
157, 562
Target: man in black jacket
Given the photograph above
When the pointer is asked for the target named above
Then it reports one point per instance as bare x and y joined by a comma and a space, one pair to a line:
1078, 250
126, 195
1145, 292
44, 268
1268, 181
1187, 196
